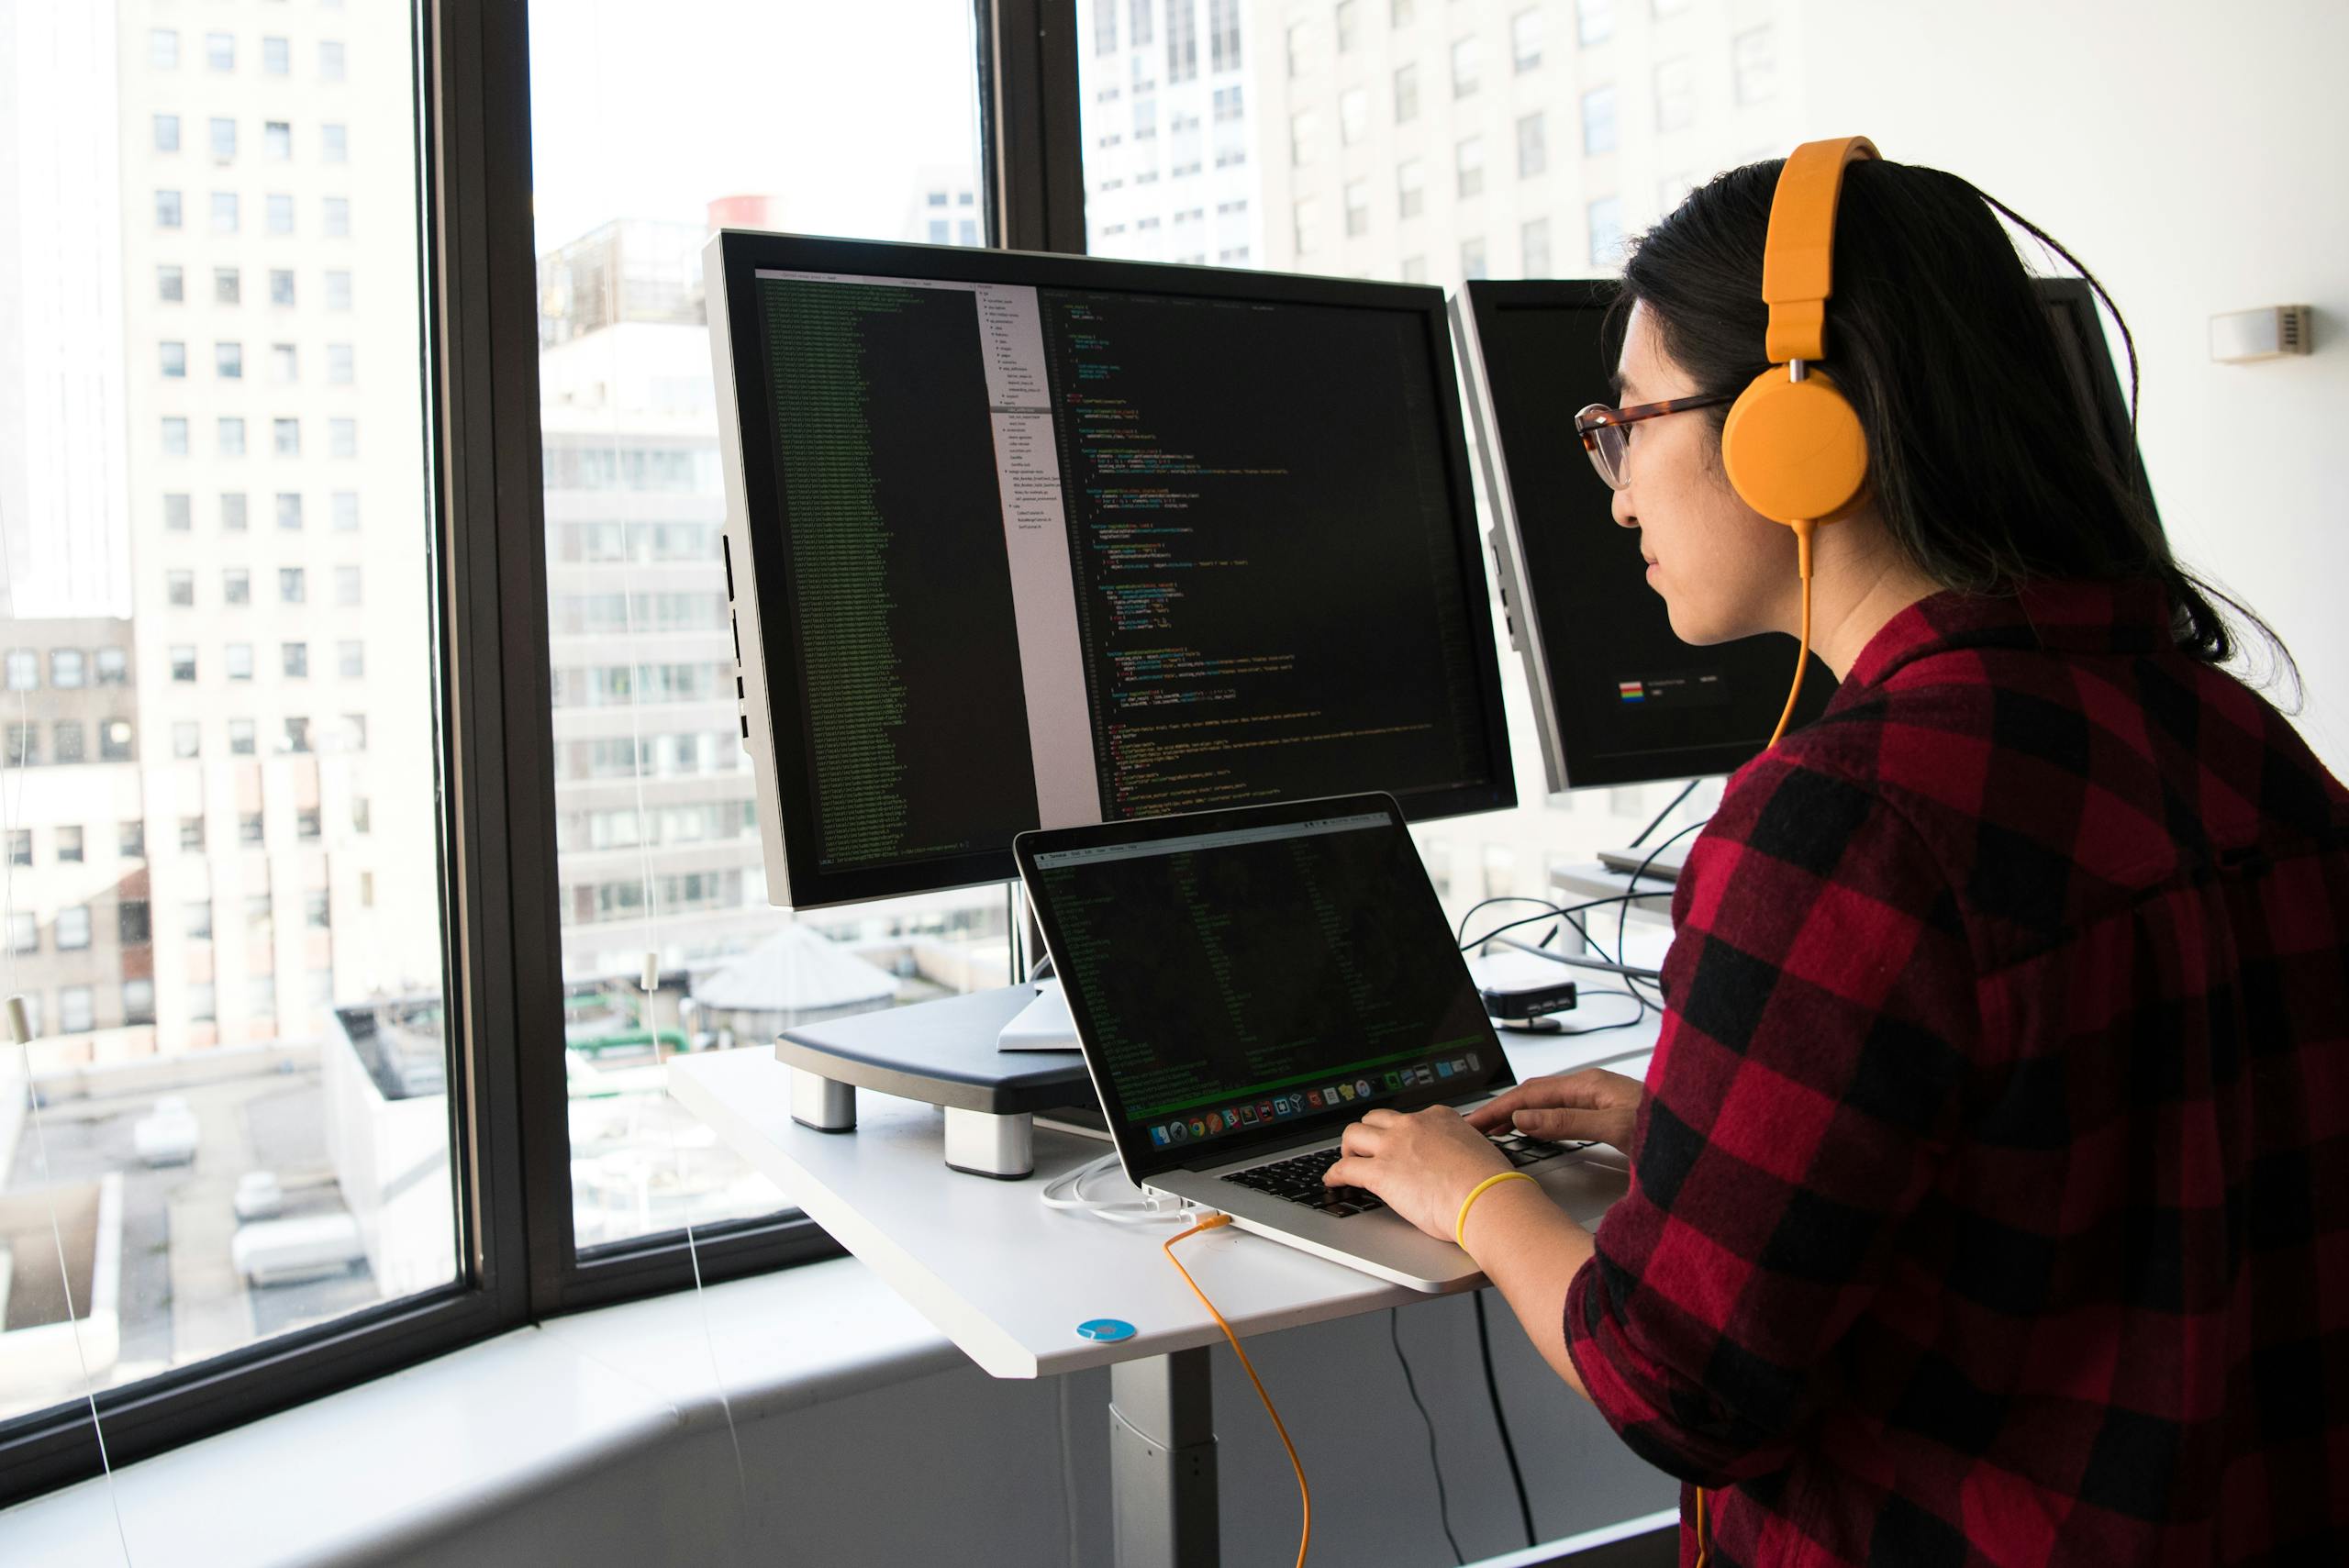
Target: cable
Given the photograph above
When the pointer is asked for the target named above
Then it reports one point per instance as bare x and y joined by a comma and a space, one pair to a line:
1501, 1417
1802, 527
1657, 821
1442, 1497
1623, 920
1460, 934
1304, 1493
1066, 1191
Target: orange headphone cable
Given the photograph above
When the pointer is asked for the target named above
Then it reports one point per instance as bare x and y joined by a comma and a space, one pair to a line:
1802, 654
1303, 1495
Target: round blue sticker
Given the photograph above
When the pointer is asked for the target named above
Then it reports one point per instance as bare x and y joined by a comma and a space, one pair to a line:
1105, 1329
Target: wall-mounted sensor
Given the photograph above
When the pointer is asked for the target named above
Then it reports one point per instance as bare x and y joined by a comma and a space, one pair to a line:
2240, 337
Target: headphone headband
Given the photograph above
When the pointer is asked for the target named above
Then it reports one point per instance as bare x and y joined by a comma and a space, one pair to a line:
1798, 266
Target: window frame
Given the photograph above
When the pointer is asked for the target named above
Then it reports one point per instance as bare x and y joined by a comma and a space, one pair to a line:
509, 1137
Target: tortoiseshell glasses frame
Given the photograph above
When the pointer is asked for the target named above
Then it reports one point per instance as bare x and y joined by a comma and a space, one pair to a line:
1605, 431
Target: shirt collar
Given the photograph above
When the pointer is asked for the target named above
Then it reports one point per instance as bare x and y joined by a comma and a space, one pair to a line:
2124, 616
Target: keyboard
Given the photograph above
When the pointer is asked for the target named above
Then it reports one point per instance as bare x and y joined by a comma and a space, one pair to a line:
1299, 1179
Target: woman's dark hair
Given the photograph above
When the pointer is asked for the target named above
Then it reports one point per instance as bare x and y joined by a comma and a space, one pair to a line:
1988, 469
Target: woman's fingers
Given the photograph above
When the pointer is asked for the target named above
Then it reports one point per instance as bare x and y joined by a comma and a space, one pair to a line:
1360, 1137
1346, 1172
1564, 1126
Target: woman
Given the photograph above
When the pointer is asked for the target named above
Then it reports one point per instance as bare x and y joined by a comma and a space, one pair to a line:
1990, 1193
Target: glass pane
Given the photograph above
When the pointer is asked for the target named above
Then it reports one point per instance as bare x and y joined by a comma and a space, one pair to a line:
646, 140
1484, 140
242, 1123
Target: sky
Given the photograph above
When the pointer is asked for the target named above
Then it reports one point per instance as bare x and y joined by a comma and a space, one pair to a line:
649, 108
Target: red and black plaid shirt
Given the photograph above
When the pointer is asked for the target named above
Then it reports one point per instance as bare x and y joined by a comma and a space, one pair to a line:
1991, 1197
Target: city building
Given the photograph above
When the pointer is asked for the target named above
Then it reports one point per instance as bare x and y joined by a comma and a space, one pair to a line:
1171, 132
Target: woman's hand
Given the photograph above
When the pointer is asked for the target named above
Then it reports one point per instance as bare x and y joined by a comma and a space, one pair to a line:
1423, 1165
1566, 1107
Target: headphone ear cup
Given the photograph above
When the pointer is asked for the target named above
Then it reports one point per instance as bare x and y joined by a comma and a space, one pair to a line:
1793, 449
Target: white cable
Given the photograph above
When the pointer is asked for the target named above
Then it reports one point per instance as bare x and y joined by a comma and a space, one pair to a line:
1066, 1191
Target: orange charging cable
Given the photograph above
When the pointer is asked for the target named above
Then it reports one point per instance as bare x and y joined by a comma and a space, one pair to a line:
1304, 1495
1802, 654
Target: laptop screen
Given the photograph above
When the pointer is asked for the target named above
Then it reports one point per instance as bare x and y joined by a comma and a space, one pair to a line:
1244, 976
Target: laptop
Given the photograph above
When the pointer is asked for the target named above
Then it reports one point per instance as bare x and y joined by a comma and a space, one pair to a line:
1245, 983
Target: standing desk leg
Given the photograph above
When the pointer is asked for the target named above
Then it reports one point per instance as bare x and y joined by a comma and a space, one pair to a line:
1162, 1461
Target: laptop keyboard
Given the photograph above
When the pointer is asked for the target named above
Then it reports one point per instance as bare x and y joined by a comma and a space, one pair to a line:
1299, 1179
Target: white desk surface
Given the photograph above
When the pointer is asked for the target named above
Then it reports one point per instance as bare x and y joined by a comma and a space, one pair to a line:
1008, 1280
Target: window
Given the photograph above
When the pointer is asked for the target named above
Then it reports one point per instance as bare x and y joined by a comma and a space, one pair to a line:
1353, 115
1468, 166
201, 1007
132, 840
69, 740
1401, 13
1357, 208
249, 831
278, 212
67, 668
338, 291
306, 823
1349, 21
342, 437
346, 511
1411, 187
330, 62
174, 360
228, 286
1465, 56
232, 511
346, 585
281, 286
289, 584
1472, 258
289, 511
276, 58
73, 929
1607, 231
340, 363
260, 995
231, 433
167, 133
1533, 248
239, 659
179, 588
175, 436
298, 735
20, 839
1532, 147
1754, 61
1676, 94
187, 739
24, 931
1407, 94
315, 912
138, 1001
351, 660
241, 738
114, 667
224, 140
1525, 39
338, 218
167, 209
1223, 35
114, 740
295, 660
24, 669
361, 817
276, 140
334, 143
1594, 21
195, 916
220, 51
1599, 121
1306, 217
286, 436
1300, 48
70, 840
171, 283
1304, 136
76, 1010
178, 511
224, 212
163, 49
228, 361
1182, 41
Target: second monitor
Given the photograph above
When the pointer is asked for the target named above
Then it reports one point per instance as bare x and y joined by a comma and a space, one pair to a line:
1022, 541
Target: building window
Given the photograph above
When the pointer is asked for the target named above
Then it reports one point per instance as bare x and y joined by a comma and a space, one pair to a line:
232, 436
138, 1001
298, 735
167, 133
132, 840
276, 56
239, 657
1463, 66
67, 668
1532, 147
286, 436
346, 585
241, 738
1304, 135
342, 437
289, 585
1300, 49
284, 364
76, 1010
167, 209
228, 361
334, 143
341, 362
1525, 39
220, 51
1223, 35
70, 840
1104, 26
1594, 21
1472, 258
1468, 166
69, 743
1307, 219
114, 667
1411, 187
171, 284
1598, 125
175, 436
351, 660
249, 831
289, 510
338, 218
346, 511
276, 140
1676, 94
1401, 13
187, 739
24, 669
232, 511
163, 49
1348, 19
1415, 269
1753, 59
195, 916
73, 929
1357, 208
1353, 115
1607, 231
20, 839
1407, 94
24, 931
228, 286
295, 659
114, 740
361, 815
316, 915
236, 585
338, 291
224, 140
179, 588
306, 824
330, 62
1533, 247
174, 357
178, 511
278, 214
281, 286
201, 1006
224, 212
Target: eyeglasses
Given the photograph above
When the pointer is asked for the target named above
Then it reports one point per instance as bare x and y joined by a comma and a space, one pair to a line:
1606, 432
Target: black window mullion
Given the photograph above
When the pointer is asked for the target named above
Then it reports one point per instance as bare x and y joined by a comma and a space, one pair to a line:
1030, 134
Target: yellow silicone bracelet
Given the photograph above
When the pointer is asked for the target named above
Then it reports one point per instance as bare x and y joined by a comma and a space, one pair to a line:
1460, 1226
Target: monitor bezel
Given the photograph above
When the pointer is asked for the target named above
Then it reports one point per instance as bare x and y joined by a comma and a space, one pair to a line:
784, 795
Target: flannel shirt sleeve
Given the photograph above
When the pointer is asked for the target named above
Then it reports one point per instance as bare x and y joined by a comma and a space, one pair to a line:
1821, 1002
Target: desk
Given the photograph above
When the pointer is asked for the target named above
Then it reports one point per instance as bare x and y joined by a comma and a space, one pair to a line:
1008, 1280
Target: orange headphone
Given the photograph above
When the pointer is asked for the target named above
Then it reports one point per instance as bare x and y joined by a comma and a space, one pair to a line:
1793, 445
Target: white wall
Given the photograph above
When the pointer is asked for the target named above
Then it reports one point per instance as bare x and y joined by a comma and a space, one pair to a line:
2192, 156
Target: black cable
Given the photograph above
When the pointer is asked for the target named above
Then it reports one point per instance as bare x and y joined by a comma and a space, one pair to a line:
1657, 821
1460, 934
1500, 1417
1623, 920
1442, 1499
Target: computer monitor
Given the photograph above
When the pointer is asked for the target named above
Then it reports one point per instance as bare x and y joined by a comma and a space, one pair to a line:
1618, 698
1020, 540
